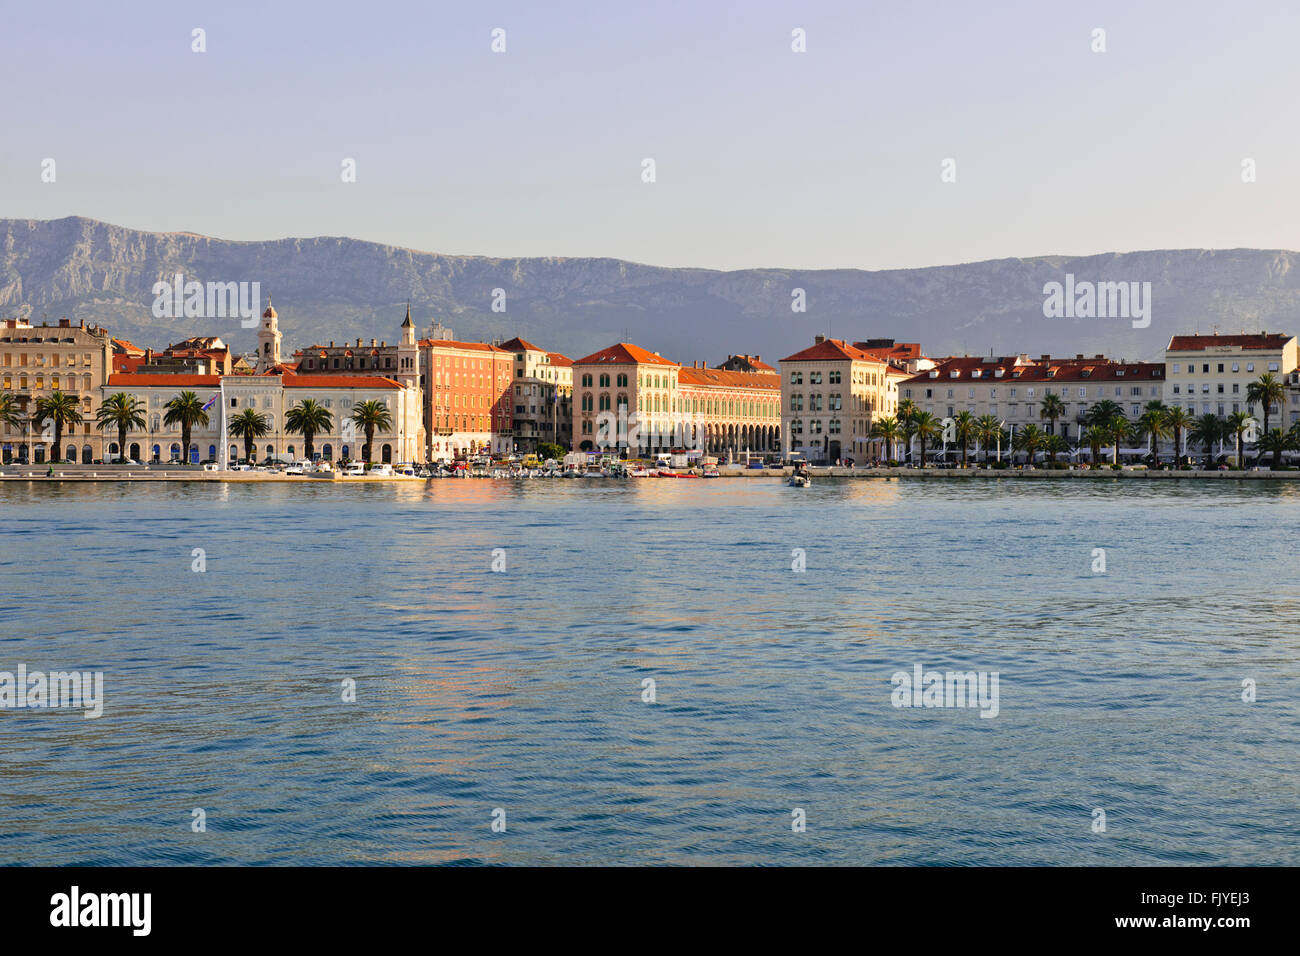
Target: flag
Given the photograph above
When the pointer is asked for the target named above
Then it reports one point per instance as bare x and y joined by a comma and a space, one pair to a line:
211, 400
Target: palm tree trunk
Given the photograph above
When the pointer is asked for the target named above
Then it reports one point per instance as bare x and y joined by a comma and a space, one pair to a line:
121, 438
308, 448
922, 451
185, 445
58, 439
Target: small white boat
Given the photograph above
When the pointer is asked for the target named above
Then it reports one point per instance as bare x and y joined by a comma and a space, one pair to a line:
800, 481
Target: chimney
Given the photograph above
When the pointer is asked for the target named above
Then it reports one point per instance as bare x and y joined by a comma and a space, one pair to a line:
1078, 355
65, 323
148, 356
818, 340
83, 323
372, 343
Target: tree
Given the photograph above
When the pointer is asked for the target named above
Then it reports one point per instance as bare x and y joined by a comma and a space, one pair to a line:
1153, 424
1177, 421
1113, 426
1237, 424
887, 431
1207, 430
548, 449
1277, 441
369, 416
1055, 445
123, 412
60, 409
249, 425
989, 431
1051, 409
1029, 440
963, 426
1095, 436
308, 418
907, 416
926, 427
1268, 390
186, 410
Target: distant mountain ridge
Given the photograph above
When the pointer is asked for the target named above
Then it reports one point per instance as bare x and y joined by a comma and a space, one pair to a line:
341, 289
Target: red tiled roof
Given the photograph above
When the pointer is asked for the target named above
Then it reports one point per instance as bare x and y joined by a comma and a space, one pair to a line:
452, 344
689, 375
1260, 341
562, 360
520, 345
338, 381
127, 363
624, 353
181, 380
1045, 371
832, 349
122, 345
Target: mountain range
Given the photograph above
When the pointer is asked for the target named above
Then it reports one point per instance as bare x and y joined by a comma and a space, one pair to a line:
338, 289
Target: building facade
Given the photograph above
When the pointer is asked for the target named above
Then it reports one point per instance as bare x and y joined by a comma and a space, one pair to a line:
467, 398
1012, 388
542, 395
35, 362
271, 395
736, 413
633, 389
831, 393
1209, 374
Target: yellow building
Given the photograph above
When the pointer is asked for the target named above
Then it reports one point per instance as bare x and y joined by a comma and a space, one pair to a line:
35, 362
1209, 374
542, 396
625, 397
831, 392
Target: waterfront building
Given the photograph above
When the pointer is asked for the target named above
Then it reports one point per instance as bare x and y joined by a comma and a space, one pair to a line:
272, 395
1012, 388
1209, 374
831, 392
542, 395
467, 398
630, 385
736, 413
36, 361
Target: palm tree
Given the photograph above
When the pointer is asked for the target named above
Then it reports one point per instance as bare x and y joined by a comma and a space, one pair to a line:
1030, 440
123, 412
61, 409
1055, 445
250, 424
1051, 409
371, 415
1277, 441
1207, 430
11, 412
907, 415
1268, 390
963, 426
1095, 436
1109, 419
887, 431
1237, 424
186, 410
1153, 424
989, 431
308, 417
925, 426
1177, 420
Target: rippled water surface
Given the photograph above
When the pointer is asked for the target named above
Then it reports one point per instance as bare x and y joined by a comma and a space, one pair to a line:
522, 690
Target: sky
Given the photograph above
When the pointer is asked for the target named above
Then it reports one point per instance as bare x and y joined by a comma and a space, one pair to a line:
763, 156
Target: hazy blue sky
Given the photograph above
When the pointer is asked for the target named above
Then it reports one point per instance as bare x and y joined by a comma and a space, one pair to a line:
765, 157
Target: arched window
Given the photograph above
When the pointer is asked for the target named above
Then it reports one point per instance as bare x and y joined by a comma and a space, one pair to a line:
386, 453
327, 451
622, 380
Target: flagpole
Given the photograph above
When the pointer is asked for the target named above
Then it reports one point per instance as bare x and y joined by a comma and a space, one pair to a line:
225, 445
